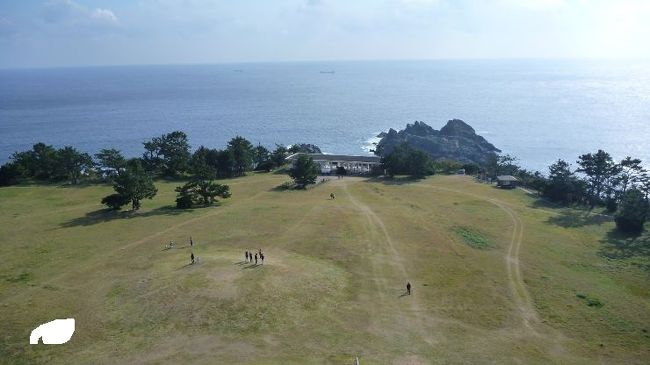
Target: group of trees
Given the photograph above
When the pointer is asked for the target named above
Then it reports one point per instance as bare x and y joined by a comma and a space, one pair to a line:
46, 163
501, 165
621, 187
131, 184
200, 191
452, 167
236, 159
167, 156
406, 160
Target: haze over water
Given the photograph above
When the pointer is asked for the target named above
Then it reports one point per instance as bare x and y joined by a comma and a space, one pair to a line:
536, 110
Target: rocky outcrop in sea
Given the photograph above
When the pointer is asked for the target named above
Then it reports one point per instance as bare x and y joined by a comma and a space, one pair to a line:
457, 140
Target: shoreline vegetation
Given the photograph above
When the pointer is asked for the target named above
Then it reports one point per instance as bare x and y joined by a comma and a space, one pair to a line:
621, 188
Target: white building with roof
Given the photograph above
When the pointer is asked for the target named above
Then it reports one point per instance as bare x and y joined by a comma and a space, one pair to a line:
355, 165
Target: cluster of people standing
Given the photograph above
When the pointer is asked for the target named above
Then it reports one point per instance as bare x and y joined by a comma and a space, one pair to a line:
193, 259
256, 256
251, 257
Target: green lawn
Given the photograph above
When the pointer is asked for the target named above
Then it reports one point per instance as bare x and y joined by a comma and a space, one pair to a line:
497, 277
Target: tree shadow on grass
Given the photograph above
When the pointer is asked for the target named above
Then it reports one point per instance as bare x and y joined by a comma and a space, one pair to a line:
189, 264
107, 215
618, 245
167, 248
542, 203
397, 180
286, 186
572, 219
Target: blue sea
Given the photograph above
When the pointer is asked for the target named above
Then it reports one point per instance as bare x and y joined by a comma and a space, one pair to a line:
538, 111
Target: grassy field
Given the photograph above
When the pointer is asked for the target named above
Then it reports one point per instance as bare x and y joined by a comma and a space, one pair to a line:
497, 277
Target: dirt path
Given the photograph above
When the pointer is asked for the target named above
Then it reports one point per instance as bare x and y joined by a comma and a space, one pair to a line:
396, 261
518, 289
521, 297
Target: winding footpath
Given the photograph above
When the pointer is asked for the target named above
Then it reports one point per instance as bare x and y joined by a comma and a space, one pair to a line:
521, 297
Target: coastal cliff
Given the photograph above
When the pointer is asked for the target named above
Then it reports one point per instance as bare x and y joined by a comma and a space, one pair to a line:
457, 140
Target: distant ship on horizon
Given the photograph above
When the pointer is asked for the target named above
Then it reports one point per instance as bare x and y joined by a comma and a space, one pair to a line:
328, 72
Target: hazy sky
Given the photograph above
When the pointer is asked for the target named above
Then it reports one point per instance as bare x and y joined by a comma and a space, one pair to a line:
100, 32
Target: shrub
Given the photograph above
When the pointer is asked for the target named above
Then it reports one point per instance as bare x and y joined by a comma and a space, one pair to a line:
611, 205
632, 212
265, 166
287, 185
115, 201
10, 174
304, 171
184, 202
591, 302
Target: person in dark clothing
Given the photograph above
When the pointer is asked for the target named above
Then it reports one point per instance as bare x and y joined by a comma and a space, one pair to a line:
408, 288
262, 257
255, 259
246, 256
192, 257
191, 242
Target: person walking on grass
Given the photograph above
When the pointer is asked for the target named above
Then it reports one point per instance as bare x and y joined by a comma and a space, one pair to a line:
192, 257
246, 256
262, 257
191, 242
255, 259
408, 288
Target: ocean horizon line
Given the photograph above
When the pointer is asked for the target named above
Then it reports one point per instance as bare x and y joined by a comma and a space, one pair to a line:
317, 61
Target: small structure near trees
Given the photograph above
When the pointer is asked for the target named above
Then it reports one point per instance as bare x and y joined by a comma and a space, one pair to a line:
507, 182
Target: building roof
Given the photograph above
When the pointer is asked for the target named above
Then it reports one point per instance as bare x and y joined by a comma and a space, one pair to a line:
507, 178
337, 158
